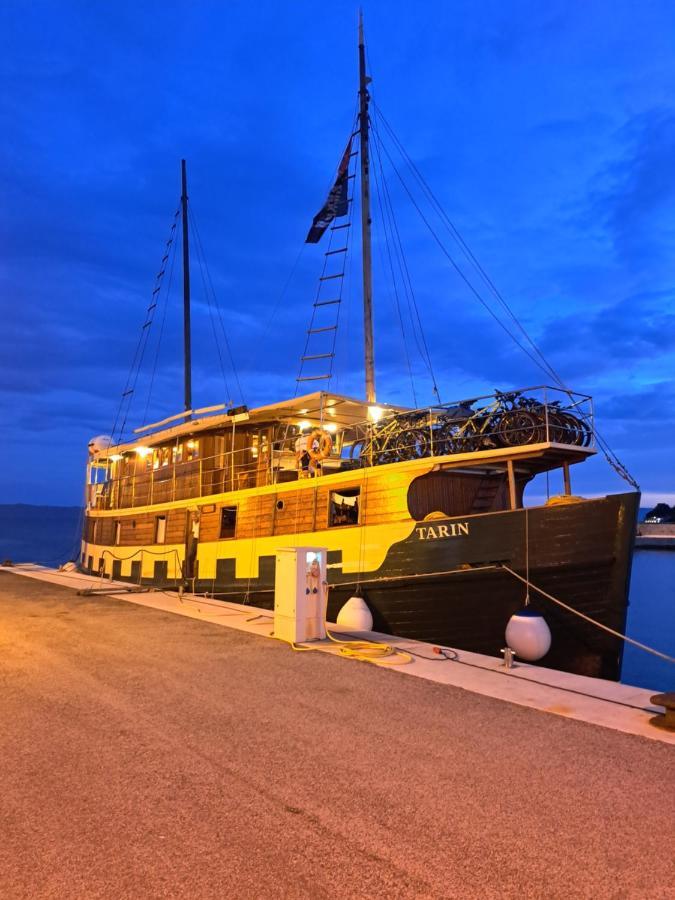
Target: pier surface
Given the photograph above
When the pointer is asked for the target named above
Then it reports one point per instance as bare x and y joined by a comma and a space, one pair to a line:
145, 754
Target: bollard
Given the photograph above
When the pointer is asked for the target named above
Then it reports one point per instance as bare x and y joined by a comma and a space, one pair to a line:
666, 721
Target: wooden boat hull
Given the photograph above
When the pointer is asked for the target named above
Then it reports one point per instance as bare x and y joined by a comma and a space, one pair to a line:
444, 582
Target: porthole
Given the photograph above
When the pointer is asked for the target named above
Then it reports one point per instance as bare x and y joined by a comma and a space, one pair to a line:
280, 505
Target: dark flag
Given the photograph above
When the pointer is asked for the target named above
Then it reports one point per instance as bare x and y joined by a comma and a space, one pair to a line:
337, 202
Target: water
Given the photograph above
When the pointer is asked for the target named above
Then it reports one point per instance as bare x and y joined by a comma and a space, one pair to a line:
651, 619
49, 534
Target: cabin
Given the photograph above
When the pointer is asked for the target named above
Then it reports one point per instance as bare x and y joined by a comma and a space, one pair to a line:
239, 475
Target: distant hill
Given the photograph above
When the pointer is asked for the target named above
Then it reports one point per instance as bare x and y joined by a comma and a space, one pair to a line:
662, 513
44, 534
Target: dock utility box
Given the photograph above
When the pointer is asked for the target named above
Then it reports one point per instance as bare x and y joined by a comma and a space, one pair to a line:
300, 594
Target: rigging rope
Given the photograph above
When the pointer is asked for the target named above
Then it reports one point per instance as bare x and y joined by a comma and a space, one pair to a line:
212, 319
403, 266
167, 294
217, 306
581, 615
539, 360
139, 353
466, 250
378, 194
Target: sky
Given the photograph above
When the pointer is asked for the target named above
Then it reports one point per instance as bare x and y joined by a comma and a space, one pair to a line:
546, 131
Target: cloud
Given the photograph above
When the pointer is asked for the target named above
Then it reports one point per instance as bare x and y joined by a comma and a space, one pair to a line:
633, 193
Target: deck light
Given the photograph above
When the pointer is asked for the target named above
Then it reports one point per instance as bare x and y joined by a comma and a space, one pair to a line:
143, 451
375, 413
331, 427
115, 457
304, 424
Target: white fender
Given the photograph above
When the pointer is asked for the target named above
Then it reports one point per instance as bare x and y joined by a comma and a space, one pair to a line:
355, 615
528, 635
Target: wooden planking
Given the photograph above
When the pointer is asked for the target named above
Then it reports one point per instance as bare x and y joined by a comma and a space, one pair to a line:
176, 526
255, 516
209, 525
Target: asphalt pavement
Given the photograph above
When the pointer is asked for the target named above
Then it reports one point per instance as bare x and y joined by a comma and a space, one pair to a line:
144, 754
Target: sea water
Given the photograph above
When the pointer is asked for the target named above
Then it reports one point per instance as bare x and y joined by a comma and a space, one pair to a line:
651, 620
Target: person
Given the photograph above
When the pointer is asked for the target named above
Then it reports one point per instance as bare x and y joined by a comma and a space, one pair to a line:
192, 543
302, 454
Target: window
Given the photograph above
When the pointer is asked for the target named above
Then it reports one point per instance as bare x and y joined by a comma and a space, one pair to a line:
160, 530
228, 521
343, 507
118, 532
192, 449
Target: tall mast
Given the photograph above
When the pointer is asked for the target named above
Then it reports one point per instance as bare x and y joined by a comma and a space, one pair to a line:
186, 291
365, 220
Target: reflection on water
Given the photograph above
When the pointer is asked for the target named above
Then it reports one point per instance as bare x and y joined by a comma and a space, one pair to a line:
651, 619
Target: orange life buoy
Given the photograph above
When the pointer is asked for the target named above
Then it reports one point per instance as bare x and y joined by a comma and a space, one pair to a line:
319, 445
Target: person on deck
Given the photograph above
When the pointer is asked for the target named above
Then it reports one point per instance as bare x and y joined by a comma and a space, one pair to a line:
302, 455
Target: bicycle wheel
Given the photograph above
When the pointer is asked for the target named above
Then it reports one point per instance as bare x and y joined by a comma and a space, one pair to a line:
519, 427
412, 444
557, 432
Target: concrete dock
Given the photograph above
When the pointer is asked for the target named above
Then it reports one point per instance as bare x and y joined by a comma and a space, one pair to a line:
145, 754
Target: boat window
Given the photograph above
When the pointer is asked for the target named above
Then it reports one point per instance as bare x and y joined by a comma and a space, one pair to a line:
118, 532
228, 521
192, 449
160, 530
343, 507
177, 453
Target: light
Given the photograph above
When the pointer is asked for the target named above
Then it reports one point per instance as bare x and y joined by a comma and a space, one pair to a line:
143, 451
331, 427
375, 413
304, 424
115, 457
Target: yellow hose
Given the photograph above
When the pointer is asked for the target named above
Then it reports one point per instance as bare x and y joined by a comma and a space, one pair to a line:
365, 651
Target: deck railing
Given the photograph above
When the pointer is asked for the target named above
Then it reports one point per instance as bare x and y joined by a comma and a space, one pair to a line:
535, 415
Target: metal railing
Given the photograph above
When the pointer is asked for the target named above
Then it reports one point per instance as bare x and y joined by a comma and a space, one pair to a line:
532, 415
499, 420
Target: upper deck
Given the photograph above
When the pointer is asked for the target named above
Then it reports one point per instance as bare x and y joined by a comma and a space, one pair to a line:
524, 432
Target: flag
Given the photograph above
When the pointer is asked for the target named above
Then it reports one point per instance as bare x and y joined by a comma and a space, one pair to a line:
337, 202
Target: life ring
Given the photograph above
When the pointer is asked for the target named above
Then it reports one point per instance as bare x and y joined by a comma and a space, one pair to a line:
325, 445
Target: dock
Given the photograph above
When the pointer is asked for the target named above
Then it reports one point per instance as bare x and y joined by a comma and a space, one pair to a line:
147, 753
655, 537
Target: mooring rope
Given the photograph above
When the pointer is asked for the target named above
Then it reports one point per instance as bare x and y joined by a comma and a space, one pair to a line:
577, 612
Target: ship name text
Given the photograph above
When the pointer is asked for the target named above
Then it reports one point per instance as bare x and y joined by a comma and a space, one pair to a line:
434, 532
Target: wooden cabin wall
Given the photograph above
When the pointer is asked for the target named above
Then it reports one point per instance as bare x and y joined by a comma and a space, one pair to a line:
457, 494
383, 498
209, 523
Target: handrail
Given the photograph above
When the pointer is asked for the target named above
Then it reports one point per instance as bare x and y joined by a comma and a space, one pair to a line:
457, 427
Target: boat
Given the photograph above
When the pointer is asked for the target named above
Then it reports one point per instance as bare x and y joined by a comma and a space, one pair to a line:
420, 511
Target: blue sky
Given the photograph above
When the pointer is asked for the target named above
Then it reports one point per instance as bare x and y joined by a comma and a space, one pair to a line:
546, 130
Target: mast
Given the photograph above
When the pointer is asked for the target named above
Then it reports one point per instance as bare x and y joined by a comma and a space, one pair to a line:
365, 220
186, 291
